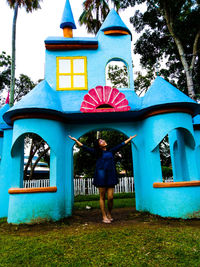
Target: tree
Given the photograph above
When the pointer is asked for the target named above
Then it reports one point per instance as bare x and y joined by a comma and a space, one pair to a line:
23, 84
5, 69
29, 5
95, 12
170, 32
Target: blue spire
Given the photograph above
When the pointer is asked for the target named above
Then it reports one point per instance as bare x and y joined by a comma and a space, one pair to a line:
114, 22
67, 18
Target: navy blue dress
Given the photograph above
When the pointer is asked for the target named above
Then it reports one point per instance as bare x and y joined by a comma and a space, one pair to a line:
105, 172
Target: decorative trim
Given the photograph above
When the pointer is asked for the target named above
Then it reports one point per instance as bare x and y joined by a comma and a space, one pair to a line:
55, 47
168, 110
104, 99
176, 184
71, 74
32, 190
38, 116
116, 32
1, 134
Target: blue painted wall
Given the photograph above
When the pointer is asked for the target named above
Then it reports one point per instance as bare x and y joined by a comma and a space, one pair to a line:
96, 59
5, 173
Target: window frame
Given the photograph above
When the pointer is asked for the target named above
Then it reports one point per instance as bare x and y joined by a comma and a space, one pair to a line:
71, 74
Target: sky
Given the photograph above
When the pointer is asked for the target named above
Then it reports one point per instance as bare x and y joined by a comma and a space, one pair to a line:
34, 28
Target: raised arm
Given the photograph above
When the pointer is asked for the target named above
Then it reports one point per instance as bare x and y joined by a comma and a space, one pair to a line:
88, 149
129, 139
74, 139
117, 148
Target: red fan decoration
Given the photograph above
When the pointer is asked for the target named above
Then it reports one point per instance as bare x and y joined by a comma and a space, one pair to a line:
104, 99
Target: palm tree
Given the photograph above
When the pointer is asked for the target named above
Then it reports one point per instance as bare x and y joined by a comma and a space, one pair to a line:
29, 5
94, 13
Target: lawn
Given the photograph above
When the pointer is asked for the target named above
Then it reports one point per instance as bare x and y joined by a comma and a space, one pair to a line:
133, 239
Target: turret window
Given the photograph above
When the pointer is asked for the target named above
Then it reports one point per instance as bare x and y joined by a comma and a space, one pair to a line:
71, 73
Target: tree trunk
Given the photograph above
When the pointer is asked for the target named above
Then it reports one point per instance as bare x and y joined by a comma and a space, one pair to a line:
33, 150
36, 162
12, 82
188, 70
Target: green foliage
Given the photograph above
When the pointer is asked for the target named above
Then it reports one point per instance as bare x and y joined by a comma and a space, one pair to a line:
118, 76
5, 69
143, 82
84, 163
166, 172
29, 5
95, 12
24, 84
169, 33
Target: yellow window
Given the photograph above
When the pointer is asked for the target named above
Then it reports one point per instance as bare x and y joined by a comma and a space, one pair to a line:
72, 73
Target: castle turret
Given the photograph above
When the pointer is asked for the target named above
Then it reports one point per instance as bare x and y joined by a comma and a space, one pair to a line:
67, 22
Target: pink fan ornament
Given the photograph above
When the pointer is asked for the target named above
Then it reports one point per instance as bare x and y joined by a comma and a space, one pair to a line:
104, 99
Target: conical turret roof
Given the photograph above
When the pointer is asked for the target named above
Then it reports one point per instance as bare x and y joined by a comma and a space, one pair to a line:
67, 18
114, 22
162, 92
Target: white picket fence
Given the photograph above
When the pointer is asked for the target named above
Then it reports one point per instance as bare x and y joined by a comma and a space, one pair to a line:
85, 186
36, 183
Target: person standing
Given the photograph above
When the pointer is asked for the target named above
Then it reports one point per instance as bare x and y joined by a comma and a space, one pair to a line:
105, 177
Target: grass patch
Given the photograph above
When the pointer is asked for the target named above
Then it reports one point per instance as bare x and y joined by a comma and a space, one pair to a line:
134, 239
80, 245
94, 204
124, 200
81, 198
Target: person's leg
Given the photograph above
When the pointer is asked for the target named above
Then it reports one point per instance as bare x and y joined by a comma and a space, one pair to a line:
110, 192
102, 193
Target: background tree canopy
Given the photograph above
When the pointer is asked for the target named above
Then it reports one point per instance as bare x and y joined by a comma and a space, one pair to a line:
24, 84
169, 41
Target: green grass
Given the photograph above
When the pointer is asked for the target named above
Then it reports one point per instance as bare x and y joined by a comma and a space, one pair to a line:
136, 245
120, 201
81, 198
140, 240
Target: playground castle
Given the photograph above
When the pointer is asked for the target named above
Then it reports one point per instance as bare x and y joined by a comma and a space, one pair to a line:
73, 99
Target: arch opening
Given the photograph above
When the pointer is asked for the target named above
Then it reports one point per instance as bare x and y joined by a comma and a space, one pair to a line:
32, 157
165, 160
84, 163
175, 152
36, 161
117, 73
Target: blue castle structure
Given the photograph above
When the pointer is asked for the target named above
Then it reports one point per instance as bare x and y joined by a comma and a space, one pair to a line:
73, 99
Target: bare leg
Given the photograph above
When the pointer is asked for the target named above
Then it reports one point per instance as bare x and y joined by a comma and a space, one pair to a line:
110, 192
102, 193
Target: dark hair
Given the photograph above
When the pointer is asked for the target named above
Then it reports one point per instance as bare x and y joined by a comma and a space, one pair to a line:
97, 148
